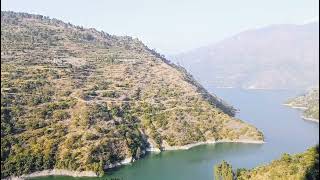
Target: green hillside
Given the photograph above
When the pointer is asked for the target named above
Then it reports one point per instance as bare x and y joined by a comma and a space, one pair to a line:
304, 166
80, 99
309, 102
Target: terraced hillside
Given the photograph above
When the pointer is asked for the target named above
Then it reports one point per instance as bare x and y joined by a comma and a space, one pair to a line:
79, 99
309, 102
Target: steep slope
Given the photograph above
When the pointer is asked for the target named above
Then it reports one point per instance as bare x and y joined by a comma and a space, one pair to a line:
79, 99
299, 166
309, 103
274, 57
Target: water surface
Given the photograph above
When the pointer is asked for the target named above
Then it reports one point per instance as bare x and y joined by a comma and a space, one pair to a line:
283, 127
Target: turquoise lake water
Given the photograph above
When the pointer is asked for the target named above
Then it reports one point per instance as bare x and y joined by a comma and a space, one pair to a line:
283, 128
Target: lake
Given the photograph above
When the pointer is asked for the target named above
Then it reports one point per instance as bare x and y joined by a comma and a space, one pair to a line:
283, 128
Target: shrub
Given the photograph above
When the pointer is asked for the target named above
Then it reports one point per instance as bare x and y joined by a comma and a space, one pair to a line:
61, 115
110, 94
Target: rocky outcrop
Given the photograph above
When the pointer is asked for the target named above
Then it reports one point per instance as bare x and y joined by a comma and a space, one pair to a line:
55, 172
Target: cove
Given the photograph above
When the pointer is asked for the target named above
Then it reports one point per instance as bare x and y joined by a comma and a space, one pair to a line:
283, 128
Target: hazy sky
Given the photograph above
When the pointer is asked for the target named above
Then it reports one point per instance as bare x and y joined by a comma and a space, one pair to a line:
172, 26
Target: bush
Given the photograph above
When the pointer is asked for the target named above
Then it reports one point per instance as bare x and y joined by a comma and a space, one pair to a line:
110, 94
90, 136
61, 115
223, 171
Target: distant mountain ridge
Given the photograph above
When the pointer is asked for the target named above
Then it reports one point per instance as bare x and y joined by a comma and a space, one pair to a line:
273, 57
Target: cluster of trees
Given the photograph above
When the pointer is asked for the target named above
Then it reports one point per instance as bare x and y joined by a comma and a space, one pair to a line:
42, 83
299, 166
223, 171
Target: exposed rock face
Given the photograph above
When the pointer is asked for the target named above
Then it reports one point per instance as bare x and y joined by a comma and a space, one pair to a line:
81, 100
61, 172
55, 172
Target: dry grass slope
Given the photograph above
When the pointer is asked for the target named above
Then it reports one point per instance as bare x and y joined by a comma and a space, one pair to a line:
79, 99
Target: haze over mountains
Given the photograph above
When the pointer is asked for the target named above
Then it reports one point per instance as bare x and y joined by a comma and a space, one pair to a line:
274, 57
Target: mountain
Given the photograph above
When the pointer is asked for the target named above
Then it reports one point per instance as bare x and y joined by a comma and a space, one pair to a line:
309, 102
79, 99
299, 166
273, 57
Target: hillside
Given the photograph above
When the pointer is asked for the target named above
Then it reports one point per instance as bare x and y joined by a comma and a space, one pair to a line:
273, 57
299, 166
309, 102
80, 99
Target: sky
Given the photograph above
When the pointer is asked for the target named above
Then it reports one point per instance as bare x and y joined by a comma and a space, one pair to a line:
172, 26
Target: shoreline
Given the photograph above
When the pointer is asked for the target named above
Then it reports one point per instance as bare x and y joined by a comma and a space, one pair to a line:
117, 164
250, 88
302, 108
189, 146
295, 107
64, 172
54, 172
310, 119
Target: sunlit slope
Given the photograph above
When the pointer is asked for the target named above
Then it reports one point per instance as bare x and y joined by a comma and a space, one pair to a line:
79, 99
300, 166
309, 102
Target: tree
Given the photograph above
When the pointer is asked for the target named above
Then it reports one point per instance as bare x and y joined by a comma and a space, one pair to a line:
223, 171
